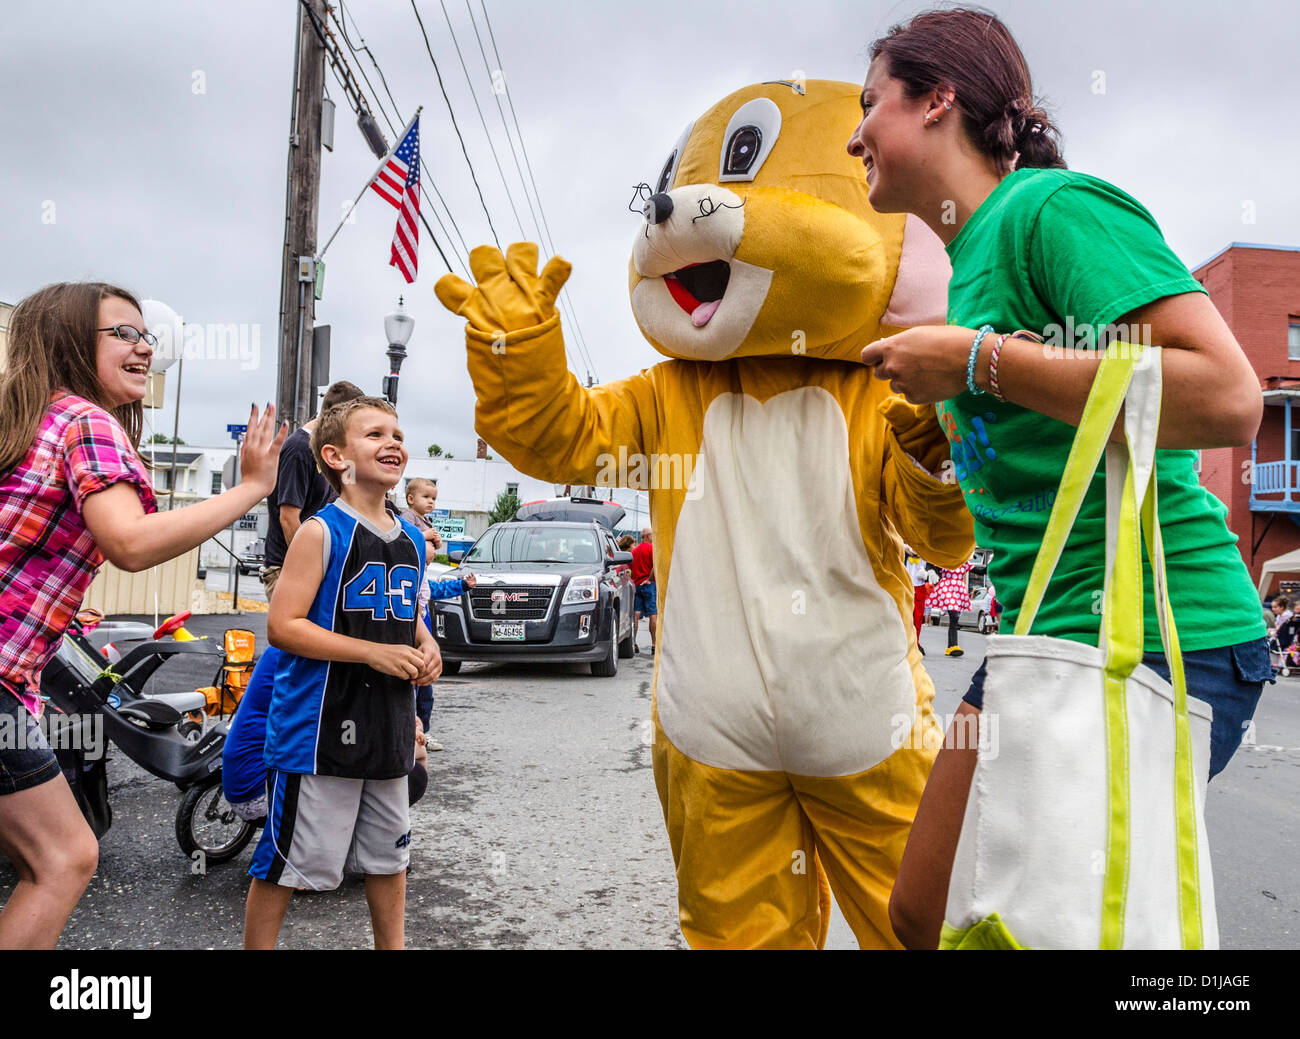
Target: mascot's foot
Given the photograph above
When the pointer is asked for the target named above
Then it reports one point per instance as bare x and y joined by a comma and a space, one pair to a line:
953, 651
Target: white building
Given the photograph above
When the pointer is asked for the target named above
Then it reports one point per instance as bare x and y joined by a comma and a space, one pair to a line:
467, 488
198, 476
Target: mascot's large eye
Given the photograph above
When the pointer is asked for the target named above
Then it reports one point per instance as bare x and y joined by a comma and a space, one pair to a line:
751, 134
742, 150
669, 171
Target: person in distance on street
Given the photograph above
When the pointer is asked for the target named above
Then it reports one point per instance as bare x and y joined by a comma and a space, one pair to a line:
450, 588
643, 576
421, 500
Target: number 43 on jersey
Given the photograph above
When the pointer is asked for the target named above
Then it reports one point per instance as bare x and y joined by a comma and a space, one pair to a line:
383, 592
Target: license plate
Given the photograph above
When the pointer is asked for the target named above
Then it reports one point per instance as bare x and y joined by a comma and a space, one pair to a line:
507, 631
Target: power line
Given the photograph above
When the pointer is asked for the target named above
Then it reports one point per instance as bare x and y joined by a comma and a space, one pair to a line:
488, 134
356, 99
511, 102
487, 67
564, 302
392, 126
550, 244
340, 20
351, 91
455, 125
482, 122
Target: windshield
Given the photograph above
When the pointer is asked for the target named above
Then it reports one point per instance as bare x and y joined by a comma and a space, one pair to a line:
540, 543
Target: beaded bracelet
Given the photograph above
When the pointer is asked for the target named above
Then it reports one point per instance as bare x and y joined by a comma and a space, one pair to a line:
1021, 333
974, 356
994, 388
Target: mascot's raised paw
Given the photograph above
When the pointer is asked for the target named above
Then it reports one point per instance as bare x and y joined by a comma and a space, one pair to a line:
510, 294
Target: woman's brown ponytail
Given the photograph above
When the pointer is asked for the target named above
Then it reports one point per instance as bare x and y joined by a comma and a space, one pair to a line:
974, 54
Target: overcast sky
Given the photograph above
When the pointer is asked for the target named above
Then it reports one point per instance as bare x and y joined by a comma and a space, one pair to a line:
145, 143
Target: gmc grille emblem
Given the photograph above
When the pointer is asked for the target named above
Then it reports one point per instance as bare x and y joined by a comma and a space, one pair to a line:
509, 596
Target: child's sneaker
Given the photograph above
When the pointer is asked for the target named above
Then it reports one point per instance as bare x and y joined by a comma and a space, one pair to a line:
953, 651
431, 744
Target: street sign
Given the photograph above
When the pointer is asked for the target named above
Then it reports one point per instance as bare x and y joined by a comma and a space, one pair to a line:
228, 474
439, 514
237, 431
450, 528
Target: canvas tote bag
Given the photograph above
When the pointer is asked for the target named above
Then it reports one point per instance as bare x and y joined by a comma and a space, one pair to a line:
1085, 827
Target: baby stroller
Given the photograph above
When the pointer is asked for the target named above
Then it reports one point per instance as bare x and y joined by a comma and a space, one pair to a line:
93, 696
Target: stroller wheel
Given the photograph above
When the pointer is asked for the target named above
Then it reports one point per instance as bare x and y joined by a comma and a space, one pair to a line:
205, 822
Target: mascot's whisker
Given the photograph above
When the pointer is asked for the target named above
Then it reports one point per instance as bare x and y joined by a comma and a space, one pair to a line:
640, 196
708, 207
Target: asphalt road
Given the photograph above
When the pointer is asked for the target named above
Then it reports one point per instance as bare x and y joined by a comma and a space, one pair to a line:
542, 829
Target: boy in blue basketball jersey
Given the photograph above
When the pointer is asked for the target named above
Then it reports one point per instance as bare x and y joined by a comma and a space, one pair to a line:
340, 731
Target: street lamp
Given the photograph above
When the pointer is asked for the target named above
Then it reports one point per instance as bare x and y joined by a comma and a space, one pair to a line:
398, 327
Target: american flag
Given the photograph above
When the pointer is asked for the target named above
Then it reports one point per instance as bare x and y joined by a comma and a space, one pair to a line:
398, 182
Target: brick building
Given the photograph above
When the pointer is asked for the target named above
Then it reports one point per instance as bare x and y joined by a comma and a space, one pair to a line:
1257, 290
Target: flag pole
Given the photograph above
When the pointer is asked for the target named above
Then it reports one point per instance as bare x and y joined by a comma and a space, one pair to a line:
379, 169
356, 200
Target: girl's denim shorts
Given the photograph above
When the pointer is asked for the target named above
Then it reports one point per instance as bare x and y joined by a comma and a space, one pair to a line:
26, 759
1230, 679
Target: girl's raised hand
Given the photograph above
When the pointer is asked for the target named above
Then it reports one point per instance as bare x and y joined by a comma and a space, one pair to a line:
259, 456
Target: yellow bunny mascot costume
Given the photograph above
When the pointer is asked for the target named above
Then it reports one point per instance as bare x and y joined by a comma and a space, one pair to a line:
793, 731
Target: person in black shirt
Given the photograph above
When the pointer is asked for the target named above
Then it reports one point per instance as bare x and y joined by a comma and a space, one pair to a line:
300, 489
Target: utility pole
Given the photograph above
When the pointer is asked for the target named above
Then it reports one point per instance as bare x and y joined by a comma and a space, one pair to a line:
294, 387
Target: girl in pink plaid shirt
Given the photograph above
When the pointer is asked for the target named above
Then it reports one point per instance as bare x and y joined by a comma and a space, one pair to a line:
73, 492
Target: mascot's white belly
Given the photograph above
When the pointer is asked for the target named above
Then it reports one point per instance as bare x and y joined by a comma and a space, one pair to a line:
779, 649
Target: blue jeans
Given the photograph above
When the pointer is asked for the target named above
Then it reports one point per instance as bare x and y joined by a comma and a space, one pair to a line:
1230, 679
424, 704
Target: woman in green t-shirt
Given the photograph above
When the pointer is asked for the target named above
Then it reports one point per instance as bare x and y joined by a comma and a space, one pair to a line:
951, 132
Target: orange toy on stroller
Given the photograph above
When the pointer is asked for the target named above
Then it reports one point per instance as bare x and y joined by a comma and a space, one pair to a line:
232, 676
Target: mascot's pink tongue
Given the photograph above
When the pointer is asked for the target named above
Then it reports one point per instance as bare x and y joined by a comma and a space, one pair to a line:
701, 314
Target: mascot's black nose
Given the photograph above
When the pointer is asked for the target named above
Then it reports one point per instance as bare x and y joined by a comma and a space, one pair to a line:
658, 208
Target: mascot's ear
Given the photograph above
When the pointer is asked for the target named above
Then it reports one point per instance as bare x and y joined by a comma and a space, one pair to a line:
920, 294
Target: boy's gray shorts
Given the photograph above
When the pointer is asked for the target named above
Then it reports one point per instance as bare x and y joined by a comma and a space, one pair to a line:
319, 826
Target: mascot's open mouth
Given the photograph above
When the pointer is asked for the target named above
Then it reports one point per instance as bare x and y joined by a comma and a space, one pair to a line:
698, 289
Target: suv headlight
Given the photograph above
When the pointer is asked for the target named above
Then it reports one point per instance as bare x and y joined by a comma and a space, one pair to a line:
581, 589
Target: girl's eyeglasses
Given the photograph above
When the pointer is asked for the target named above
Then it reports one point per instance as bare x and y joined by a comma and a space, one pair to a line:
131, 334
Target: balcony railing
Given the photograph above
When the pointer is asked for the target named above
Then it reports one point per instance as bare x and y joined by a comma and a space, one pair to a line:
1276, 478
1280, 481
